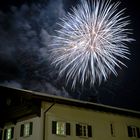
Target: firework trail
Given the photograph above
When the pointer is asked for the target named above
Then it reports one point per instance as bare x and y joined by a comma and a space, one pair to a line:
90, 43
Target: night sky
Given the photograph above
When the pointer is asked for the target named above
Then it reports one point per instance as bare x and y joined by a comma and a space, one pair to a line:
26, 27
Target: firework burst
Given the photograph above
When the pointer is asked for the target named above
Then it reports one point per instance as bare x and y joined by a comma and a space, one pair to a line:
90, 42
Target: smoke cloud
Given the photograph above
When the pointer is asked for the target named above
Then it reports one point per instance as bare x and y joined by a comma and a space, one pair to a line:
25, 34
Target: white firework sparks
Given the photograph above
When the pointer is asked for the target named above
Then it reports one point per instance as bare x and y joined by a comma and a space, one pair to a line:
91, 42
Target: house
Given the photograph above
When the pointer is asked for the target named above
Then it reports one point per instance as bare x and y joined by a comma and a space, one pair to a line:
29, 115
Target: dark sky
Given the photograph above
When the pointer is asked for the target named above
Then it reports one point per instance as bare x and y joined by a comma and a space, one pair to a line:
23, 67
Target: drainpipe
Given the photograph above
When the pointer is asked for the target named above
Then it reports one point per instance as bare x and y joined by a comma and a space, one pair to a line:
44, 120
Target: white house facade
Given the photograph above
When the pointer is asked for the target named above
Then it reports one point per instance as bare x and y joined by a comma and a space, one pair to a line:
43, 117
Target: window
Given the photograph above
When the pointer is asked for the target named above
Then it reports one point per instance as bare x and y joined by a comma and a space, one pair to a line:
60, 128
26, 129
112, 130
83, 130
133, 131
9, 133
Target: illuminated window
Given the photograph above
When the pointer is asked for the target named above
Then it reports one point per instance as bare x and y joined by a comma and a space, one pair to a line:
26, 129
60, 128
83, 130
9, 133
133, 131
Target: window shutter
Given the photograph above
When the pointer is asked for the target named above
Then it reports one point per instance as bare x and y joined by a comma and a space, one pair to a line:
12, 132
5, 134
138, 132
130, 132
89, 131
78, 131
67, 128
22, 130
31, 128
54, 127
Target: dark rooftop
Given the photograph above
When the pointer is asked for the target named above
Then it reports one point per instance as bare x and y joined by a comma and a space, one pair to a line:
61, 100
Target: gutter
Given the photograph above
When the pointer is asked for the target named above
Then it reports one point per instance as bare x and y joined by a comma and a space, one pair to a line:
44, 120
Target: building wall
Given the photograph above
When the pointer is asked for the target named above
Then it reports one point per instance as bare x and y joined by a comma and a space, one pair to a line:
100, 122
36, 130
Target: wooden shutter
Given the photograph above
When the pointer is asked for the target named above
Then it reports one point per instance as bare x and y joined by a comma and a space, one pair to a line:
22, 130
130, 131
67, 128
138, 132
54, 127
78, 130
12, 132
31, 128
89, 131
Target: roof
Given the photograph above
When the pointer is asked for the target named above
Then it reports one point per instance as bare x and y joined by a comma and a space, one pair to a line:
68, 101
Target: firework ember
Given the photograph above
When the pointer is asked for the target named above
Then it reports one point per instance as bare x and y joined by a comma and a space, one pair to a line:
90, 42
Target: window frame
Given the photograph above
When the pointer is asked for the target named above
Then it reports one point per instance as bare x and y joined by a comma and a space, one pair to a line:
61, 128
23, 129
83, 130
66, 131
8, 130
133, 131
